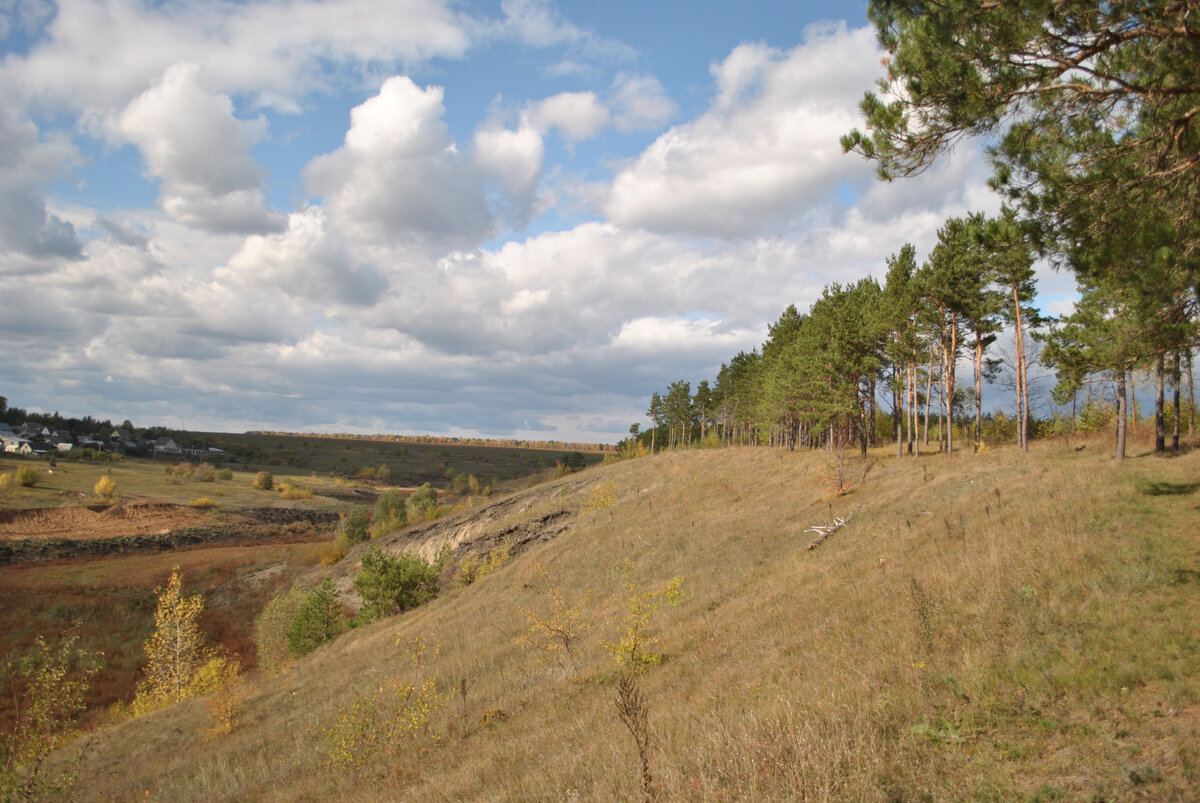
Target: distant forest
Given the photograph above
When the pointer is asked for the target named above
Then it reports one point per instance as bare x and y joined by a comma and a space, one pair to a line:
103, 428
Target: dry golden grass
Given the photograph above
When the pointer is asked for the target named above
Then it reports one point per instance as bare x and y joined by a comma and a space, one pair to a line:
74, 483
991, 627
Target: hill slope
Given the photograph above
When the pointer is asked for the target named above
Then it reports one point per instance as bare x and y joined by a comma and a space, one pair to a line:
1000, 626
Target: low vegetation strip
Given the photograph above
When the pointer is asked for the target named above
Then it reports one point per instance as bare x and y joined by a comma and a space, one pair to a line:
36, 549
291, 515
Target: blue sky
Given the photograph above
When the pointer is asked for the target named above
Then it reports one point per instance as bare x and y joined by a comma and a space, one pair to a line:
506, 219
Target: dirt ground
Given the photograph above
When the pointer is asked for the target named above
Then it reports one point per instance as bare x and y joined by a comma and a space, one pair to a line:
112, 522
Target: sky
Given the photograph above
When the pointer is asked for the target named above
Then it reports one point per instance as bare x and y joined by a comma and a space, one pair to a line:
499, 219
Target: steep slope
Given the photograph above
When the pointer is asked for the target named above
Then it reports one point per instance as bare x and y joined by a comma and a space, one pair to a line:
999, 626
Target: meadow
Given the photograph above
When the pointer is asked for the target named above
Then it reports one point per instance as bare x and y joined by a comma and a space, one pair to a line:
1002, 626
408, 463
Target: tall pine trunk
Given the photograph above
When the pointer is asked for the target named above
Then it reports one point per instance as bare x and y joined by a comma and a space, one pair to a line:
950, 382
898, 413
1122, 413
914, 442
1191, 396
1160, 429
1175, 379
1022, 390
871, 412
978, 389
928, 398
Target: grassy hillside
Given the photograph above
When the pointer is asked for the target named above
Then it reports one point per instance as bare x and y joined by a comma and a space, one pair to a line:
991, 627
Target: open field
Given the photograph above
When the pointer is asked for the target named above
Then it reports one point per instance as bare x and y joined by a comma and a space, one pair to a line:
145, 481
327, 466
408, 463
991, 627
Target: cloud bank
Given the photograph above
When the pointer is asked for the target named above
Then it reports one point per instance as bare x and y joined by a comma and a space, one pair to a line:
533, 269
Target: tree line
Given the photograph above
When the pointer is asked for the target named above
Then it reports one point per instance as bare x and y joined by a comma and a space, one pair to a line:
1092, 112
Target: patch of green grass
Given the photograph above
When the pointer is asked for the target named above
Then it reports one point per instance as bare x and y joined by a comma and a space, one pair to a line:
1158, 488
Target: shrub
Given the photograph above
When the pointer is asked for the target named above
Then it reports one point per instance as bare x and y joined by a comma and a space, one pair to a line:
390, 512
271, 628
390, 585
48, 687
422, 500
203, 501
355, 525
6, 484
206, 473
184, 469
105, 487
291, 490
333, 551
1096, 415
383, 473
263, 481
391, 721
319, 620
222, 680
634, 651
28, 477
602, 496
225, 474
554, 634
570, 462
471, 569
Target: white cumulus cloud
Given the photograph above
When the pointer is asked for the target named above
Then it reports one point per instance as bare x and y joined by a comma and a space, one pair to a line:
30, 233
766, 150
190, 139
399, 177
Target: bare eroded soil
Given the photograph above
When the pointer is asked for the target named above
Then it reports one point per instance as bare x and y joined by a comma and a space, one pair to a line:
87, 523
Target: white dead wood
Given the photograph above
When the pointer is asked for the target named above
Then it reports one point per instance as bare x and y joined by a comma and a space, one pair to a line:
823, 531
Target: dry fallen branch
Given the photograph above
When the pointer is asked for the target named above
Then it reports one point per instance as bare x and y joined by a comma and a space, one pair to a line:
823, 531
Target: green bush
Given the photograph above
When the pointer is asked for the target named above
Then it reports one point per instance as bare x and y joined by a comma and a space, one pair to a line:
271, 627
390, 512
318, 620
206, 473
264, 481
421, 500
355, 525
28, 477
225, 474
390, 585
570, 462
